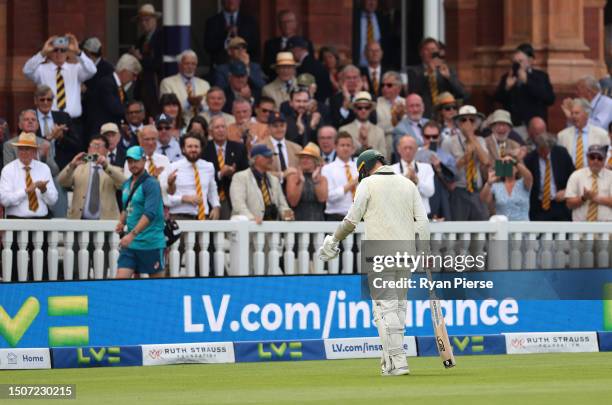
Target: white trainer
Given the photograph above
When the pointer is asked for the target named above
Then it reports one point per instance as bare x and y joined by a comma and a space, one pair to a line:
396, 372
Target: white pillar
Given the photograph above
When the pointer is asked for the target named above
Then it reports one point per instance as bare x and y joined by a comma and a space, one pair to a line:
433, 19
177, 31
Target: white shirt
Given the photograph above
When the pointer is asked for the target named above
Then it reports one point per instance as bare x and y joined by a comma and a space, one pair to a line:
185, 185
86, 213
158, 160
579, 181
338, 202
601, 114
41, 72
425, 176
41, 122
173, 150
13, 184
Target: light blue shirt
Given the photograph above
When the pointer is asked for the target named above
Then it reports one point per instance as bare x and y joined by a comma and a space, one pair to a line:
364, 35
516, 205
601, 114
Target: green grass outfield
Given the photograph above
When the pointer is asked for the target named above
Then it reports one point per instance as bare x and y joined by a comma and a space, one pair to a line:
573, 378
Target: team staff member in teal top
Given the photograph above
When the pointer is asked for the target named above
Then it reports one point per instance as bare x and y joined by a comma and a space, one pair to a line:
142, 248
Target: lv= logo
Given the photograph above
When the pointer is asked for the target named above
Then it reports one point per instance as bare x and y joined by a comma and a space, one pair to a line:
12, 329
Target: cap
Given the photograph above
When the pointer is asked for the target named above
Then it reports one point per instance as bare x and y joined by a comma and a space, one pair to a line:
109, 127
305, 80
261, 149
276, 116
297, 42
92, 45
237, 68
163, 119
135, 152
601, 150
236, 42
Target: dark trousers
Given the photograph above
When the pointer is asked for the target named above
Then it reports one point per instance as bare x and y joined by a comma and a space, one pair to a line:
30, 250
558, 212
466, 206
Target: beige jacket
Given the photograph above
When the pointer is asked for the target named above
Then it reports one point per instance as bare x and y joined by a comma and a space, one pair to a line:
277, 91
175, 84
246, 197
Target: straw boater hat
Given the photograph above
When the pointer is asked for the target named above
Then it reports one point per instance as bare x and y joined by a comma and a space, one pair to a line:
284, 59
311, 150
26, 140
147, 10
468, 111
363, 97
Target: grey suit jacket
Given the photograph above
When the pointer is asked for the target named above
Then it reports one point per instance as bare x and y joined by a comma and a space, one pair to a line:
9, 153
246, 197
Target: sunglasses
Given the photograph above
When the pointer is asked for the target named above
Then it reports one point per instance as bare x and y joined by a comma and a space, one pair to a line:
362, 108
470, 119
266, 111
164, 128
595, 157
431, 136
46, 99
449, 107
60, 50
388, 84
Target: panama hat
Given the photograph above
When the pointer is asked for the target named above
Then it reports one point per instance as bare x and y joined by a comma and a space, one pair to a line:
311, 150
26, 140
363, 97
284, 59
147, 10
468, 111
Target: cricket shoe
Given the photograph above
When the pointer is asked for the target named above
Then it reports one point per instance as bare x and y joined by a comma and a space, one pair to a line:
395, 372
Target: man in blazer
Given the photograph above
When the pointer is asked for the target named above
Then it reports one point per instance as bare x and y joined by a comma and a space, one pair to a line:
499, 143
83, 175
227, 157
374, 71
285, 152
381, 25
254, 192
224, 26
365, 134
279, 89
308, 64
107, 106
189, 89
581, 134
546, 153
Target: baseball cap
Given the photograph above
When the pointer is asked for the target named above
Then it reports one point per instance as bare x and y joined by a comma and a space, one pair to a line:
135, 152
261, 149
92, 45
305, 80
109, 127
276, 116
237, 68
601, 150
163, 119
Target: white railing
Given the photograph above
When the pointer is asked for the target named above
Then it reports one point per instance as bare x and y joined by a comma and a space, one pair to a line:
89, 249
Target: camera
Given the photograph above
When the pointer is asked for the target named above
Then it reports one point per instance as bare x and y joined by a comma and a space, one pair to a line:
61, 42
515, 68
91, 158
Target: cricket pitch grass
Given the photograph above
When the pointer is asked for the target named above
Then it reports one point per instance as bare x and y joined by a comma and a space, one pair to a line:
572, 378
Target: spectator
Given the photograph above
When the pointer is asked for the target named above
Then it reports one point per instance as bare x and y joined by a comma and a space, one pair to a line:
551, 166
264, 108
536, 127
369, 25
93, 49
27, 190
50, 67
365, 134
134, 121
433, 76
279, 89
386, 104
239, 86
326, 138
128, 68
257, 195
373, 72
601, 106
171, 108
589, 190
509, 195
302, 125
339, 105
247, 129
115, 149
188, 88
167, 144
328, 56
237, 51
580, 135
198, 125
307, 82
609, 158
288, 26
142, 248
421, 174
307, 188
149, 51
470, 153
412, 121
215, 99
191, 184
308, 64
444, 168
342, 179
446, 108
93, 183
227, 157
155, 163
499, 143
230, 23
286, 159
524, 91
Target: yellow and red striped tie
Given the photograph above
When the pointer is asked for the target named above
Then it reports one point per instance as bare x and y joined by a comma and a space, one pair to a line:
265, 193
221, 162
546, 192
349, 176
198, 185
470, 174
121, 94
592, 210
151, 167
579, 152
60, 90
32, 198
370, 29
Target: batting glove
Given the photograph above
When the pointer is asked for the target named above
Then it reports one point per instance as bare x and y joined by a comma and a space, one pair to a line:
329, 250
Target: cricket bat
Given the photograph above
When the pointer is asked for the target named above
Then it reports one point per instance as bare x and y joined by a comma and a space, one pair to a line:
442, 342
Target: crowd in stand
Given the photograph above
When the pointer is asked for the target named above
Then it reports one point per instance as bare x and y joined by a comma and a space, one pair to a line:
275, 137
